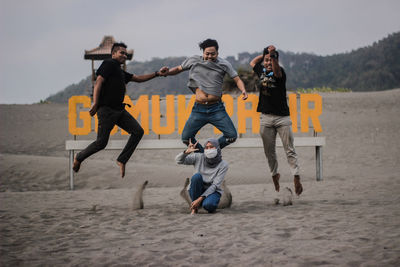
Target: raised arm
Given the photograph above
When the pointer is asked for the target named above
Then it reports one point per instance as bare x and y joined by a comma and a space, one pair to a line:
256, 60
186, 157
275, 61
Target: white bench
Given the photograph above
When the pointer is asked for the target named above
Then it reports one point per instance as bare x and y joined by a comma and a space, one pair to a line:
317, 142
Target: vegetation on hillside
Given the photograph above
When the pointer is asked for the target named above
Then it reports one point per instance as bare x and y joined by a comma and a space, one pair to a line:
372, 68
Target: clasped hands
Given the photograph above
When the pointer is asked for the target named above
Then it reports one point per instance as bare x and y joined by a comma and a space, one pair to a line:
163, 71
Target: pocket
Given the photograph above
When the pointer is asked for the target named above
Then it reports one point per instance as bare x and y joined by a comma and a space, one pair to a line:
105, 117
285, 121
220, 115
104, 111
266, 119
196, 107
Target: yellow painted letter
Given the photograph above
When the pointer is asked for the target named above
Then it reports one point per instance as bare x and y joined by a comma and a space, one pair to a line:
140, 108
244, 113
228, 101
293, 111
305, 112
156, 116
83, 115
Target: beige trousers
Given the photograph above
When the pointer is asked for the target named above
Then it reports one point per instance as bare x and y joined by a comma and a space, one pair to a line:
270, 125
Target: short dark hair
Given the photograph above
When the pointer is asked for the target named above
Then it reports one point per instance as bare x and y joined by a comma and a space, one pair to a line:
266, 52
116, 46
208, 43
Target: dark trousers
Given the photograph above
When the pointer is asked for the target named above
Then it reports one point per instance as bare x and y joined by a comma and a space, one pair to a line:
108, 118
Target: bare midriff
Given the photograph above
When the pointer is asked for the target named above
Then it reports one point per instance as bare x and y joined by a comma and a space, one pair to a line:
203, 97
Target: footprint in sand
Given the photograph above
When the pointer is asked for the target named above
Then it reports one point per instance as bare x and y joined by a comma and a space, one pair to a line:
285, 196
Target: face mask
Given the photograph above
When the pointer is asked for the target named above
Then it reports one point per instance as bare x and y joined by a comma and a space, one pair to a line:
210, 153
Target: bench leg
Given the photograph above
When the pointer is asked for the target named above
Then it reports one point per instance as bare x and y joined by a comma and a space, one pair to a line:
71, 171
318, 160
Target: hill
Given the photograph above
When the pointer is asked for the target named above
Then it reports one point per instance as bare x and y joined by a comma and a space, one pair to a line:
372, 68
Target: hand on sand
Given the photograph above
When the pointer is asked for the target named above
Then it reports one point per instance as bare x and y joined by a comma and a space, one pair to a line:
122, 168
196, 204
275, 179
194, 211
298, 188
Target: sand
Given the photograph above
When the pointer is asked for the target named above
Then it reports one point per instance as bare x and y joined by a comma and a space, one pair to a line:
351, 218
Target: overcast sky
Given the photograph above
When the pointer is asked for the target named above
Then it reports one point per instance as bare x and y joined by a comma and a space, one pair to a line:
43, 41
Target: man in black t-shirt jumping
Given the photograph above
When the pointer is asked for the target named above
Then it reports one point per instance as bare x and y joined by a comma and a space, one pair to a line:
108, 97
274, 116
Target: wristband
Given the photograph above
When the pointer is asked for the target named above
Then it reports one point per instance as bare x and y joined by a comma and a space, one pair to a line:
155, 74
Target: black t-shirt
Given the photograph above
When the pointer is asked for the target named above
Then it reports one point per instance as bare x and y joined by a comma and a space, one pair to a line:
272, 98
113, 90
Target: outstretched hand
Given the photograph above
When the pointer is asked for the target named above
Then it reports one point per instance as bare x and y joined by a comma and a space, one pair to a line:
191, 147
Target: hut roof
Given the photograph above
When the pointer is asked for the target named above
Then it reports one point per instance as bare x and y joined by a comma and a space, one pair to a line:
104, 50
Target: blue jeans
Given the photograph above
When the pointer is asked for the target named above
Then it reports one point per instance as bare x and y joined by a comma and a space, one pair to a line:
214, 114
197, 188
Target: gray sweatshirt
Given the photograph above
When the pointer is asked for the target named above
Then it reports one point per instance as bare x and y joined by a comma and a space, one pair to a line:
211, 176
207, 75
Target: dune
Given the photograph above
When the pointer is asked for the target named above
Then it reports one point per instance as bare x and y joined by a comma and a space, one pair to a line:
351, 218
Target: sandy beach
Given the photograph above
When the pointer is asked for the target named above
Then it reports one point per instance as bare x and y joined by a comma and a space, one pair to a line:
351, 218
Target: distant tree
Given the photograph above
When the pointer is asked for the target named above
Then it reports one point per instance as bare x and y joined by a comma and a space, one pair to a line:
371, 68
